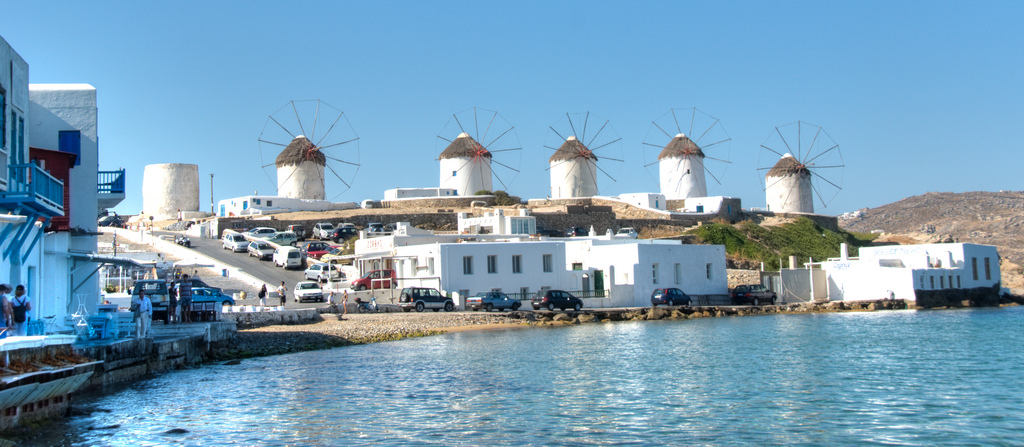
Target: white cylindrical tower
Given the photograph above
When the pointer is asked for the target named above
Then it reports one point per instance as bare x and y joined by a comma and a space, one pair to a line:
573, 171
465, 166
788, 187
168, 188
300, 170
681, 168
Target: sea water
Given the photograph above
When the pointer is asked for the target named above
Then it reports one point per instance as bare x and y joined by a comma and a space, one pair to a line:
897, 377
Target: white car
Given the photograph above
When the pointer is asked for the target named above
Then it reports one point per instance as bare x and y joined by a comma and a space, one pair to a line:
261, 249
626, 233
261, 232
323, 230
322, 272
308, 291
282, 238
235, 242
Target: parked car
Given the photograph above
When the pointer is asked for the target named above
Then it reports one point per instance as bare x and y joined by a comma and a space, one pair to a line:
421, 298
335, 255
110, 221
308, 291
550, 299
323, 230
627, 233
198, 283
492, 300
670, 297
183, 241
576, 231
299, 230
156, 290
322, 272
376, 279
205, 294
282, 238
261, 232
261, 250
541, 231
755, 294
317, 250
375, 227
287, 257
235, 242
344, 233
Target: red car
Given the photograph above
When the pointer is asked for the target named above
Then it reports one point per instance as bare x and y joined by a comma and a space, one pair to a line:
316, 250
376, 279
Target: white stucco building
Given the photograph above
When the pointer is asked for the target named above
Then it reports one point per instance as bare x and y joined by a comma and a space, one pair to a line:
900, 271
418, 193
170, 189
497, 222
263, 205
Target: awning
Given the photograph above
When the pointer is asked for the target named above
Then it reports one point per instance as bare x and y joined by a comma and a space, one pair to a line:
111, 260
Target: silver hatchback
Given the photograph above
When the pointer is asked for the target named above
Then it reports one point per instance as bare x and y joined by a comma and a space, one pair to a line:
492, 300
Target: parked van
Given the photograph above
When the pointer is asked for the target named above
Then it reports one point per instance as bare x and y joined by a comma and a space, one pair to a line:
288, 257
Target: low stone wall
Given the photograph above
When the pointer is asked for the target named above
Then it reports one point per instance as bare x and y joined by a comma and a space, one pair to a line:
977, 297
246, 320
739, 277
438, 202
826, 222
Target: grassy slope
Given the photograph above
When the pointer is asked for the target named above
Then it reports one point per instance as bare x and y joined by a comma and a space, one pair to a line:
801, 238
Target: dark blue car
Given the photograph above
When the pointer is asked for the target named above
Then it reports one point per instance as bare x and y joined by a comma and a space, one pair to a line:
670, 297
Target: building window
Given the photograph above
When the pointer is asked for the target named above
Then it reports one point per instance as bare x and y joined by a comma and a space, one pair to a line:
942, 282
13, 151
931, 281
270, 203
988, 270
454, 173
577, 266
654, 273
467, 265
430, 266
255, 201
920, 282
492, 263
958, 282
678, 273
707, 270
974, 267
548, 268
517, 264
21, 138
3, 106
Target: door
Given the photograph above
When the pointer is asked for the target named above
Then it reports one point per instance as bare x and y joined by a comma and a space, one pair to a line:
599, 282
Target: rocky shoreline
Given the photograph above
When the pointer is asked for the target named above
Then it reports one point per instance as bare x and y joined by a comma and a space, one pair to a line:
356, 329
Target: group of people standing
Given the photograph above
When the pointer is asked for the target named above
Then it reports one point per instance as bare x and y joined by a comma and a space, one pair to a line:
15, 309
179, 306
282, 292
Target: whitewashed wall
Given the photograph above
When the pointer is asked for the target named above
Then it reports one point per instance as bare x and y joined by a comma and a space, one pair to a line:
466, 175
681, 178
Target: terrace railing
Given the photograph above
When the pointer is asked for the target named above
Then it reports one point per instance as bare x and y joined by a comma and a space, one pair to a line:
110, 182
29, 185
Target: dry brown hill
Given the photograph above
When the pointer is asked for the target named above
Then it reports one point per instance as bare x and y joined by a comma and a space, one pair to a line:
991, 218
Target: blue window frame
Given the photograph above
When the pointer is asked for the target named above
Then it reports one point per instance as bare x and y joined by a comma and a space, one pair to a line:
70, 141
3, 108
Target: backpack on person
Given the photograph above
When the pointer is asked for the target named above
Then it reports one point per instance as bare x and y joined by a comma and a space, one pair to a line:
20, 310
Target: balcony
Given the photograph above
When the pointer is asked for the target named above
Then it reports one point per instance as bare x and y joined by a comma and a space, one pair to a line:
109, 188
30, 186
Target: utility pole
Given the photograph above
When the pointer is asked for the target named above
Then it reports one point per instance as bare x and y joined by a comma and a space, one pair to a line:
211, 196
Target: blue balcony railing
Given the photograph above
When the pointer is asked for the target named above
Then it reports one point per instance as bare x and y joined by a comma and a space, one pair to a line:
31, 186
110, 182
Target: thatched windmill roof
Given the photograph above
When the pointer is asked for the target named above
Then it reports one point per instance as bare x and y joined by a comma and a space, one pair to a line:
298, 151
681, 146
787, 166
464, 146
572, 148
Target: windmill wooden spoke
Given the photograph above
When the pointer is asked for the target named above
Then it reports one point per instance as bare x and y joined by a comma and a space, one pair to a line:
329, 129
476, 125
504, 165
679, 129
598, 133
652, 163
559, 163
820, 198
282, 127
339, 176
605, 172
662, 130
603, 145
717, 159
339, 144
499, 137
659, 146
503, 185
316, 117
570, 125
829, 182
271, 142
692, 116
823, 153
552, 148
268, 165
507, 150
777, 180
701, 137
706, 170
783, 140
459, 123
826, 167
773, 150
445, 139
556, 133
813, 140
583, 136
612, 159
716, 143
297, 118
488, 128
341, 161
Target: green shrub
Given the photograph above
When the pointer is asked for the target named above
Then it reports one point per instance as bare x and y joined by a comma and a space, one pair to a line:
502, 198
482, 192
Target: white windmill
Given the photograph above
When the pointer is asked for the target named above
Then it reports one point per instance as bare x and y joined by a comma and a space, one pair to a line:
574, 164
303, 165
793, 181
466, 164
683, 162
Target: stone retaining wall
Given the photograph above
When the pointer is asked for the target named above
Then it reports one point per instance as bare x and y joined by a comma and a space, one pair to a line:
976, 297
740, 276
438, 202
246, 320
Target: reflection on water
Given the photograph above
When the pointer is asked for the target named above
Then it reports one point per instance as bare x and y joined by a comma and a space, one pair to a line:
917, 378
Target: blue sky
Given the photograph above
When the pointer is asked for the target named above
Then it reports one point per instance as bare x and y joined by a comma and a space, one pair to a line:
921, 96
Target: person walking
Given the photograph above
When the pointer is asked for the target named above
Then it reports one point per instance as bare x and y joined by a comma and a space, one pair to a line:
5, 306
20, 306
282, 291
142, 307
263, 296
185, 297
344, 303
172, 306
